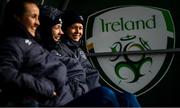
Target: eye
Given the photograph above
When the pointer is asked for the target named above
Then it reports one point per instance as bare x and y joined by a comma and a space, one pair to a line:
35, 16
58, 26
81, 28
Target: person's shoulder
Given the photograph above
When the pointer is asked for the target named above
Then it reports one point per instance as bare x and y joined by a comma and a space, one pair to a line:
65, 50
14, 39
17, 42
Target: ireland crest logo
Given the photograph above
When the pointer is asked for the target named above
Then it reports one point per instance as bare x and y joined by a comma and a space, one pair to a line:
139, 37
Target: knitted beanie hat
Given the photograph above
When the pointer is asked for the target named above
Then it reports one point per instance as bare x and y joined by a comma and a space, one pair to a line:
70, 17
50, 16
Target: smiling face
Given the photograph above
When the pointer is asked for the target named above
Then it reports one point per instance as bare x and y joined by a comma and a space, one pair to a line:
57, 32
75, 31
30, 18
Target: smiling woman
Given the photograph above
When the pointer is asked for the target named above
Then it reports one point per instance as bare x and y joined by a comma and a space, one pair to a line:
24, 63
30, 18
27, 14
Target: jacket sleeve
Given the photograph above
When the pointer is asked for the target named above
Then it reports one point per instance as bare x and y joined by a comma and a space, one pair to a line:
76, 76
11, 61
92, 74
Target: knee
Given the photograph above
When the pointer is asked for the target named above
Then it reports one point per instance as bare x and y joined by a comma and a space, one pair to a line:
130, 99
106, 92
130, 96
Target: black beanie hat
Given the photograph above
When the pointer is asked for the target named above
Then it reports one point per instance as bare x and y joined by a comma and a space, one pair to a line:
50, 16
70, 17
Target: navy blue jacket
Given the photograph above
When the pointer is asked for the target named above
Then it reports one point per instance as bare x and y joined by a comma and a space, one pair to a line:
76, 75
28, 70
73, 49
80, 78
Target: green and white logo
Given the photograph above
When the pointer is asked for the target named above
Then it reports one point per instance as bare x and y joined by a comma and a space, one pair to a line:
131, 28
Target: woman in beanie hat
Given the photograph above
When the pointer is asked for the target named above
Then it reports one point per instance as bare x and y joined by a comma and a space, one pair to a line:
50, 43
50, 33
73, 18
49, 17
73, 28
79, 83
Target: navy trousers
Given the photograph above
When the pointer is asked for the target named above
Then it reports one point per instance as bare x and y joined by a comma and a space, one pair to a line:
105, 97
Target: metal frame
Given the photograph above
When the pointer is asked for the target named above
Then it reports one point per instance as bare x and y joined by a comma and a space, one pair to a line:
160, 51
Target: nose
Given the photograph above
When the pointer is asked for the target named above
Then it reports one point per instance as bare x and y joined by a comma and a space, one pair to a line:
37, 22
61, 31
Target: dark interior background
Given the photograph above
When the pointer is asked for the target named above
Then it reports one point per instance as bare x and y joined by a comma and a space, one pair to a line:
167, 92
